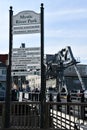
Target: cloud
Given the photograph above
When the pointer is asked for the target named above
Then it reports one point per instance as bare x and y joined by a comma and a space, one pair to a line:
66, 14
66, 33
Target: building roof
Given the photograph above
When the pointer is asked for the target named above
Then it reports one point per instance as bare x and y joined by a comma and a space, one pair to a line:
3, 58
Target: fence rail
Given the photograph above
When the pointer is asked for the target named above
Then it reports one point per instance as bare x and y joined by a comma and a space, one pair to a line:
64, 119
59, 115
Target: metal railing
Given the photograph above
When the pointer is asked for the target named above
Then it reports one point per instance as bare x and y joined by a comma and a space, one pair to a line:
65, 115
22, 115
35, 96
58, 115
25, 115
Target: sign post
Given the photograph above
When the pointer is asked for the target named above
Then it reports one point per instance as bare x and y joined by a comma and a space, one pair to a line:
43, 81
8, 88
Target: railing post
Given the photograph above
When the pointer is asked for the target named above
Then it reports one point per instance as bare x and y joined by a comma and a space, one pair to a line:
58, 100
47, 110
68, 100
50, 99
3, 114
82, 107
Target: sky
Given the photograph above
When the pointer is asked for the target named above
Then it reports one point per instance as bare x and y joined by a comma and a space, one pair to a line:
65, 24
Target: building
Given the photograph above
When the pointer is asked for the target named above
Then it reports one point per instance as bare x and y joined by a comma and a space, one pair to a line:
25, 61
3, 70
4, 58
26, 66
2, 75
34, 81
71, 77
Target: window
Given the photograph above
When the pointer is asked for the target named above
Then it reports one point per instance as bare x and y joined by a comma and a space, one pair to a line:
3, 71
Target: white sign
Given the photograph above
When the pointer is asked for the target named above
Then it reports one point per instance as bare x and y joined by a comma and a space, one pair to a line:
26, 29
26, 22
24, 73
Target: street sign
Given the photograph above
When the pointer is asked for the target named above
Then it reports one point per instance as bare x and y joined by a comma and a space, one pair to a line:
26, 22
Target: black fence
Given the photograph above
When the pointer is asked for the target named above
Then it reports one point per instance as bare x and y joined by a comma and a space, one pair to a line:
63, 98
26, 115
